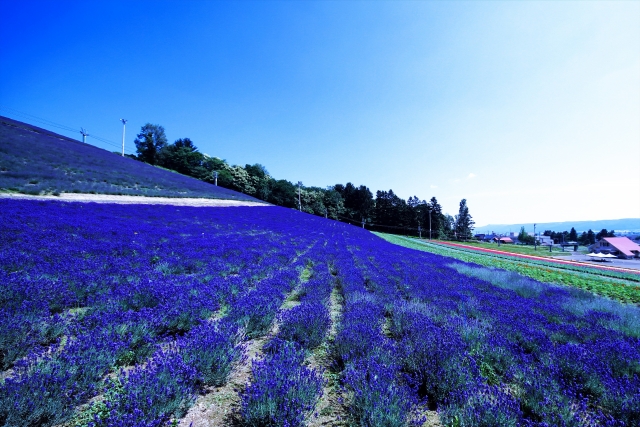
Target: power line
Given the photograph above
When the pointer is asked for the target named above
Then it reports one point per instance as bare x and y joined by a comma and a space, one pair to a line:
37, 119
56, 125
370, 224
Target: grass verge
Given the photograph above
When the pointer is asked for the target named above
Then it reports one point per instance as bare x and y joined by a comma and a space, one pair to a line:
619, 289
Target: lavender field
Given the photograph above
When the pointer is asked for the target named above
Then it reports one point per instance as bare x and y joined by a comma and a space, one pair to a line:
36, 161
122, 315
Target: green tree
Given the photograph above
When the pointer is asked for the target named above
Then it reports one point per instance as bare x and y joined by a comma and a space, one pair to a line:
526, 238
149, 142
573, 235
358, 201
440, 225
261, 180
522, 236
390, 209
183, 156
333, 203
215, 164
583, 239
283, 193
448, 227
242, 181
312, 199
464, 222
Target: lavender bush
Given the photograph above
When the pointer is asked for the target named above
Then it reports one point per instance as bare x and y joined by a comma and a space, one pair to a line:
282, 391
87, 288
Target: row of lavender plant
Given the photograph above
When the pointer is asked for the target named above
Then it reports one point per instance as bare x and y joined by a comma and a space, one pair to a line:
481, 346
283, 390
123, 319
165, 388
374, 392
520, 353
46, 273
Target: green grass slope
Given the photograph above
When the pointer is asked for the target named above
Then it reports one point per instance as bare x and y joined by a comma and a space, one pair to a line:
624, 287
36, 161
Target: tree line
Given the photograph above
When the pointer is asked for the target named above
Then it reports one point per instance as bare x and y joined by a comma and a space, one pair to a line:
350, 203
586, 238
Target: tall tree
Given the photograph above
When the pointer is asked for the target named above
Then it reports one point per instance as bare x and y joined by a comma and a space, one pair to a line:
435, 220
261, 180
283, 193
149, 142
464, 221
333, 203
448, 227
183, 156
573, 235
583, 239
525, 237
358, 201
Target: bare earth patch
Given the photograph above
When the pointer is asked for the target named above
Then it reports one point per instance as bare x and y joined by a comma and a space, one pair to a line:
133, 200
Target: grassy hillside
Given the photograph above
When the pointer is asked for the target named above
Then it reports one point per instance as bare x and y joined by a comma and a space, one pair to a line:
624, 287
37, 161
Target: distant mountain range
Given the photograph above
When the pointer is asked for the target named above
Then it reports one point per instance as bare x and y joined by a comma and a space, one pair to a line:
625, 224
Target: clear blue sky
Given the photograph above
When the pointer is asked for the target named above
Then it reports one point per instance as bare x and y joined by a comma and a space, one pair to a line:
529, 110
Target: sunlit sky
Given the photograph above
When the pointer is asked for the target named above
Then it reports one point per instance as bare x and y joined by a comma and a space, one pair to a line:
529, 110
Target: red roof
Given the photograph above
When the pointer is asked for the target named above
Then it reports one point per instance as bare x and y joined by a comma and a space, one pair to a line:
506, 240
623, 244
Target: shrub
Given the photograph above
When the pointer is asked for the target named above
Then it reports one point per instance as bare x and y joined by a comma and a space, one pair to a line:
212, 349
305, 324
283, 391
376, 398
150, 396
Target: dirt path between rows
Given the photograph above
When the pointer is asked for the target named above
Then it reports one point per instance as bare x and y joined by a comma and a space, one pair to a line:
329, 411
134, 200
220, 406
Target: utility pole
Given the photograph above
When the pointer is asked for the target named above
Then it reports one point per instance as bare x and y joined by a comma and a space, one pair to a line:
84, 135
429, 223
362, 222
124, 124
299, 202
215, 178
419, 232
535, 242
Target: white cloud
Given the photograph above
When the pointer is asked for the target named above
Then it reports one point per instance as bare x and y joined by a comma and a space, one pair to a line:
433, 186
472, 175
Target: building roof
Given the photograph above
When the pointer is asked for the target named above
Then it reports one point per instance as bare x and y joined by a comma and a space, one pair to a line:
623, 244
506, 240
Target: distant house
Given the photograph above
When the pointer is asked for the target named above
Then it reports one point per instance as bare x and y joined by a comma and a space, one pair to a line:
620, 246
503, 239
544, 240
488, 237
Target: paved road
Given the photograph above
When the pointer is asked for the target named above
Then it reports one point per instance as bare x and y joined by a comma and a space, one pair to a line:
618, 266
633, 264
134, 200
